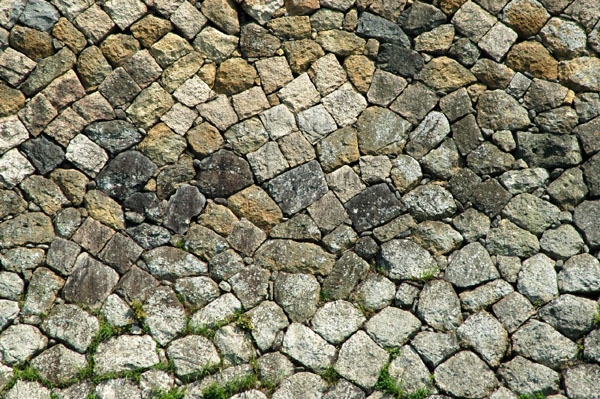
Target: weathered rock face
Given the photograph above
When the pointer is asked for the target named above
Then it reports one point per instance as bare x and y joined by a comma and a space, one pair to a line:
195, 195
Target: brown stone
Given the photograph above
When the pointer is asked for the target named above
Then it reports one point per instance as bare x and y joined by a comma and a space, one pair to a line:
449, 7
234, 76
71, 182
69, 35
341, 43
581, 73
254, 204
150, 29
218, 218
208, 74
92, 67
526, 17
297, 27
360, 71
301, 7
301, 54
222, 13
11, 100
104, 209
204, 139
118, 48
161, 145
532, 57
445, 74
33, 43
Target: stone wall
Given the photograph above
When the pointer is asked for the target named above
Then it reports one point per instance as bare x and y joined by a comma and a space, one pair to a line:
338, 199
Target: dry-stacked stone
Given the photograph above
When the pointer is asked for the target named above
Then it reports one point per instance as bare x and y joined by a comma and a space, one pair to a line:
290, 199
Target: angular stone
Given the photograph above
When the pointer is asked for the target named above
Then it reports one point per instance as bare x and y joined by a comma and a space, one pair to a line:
59, 364
446, 75
525, 16
571, 315
336, 321
470, 266
513, 310
491, 104
216, 45
405, 260
127, 173
373, 26
172, 263
327, 74
374, 206
430, 202
307, 347
71, 324
430, 132
543, 95
294, 257
580, 274
578, 73
340, 42
41, 293
142, 68
97, 278
114, 136
165, 315
93, 235
19, 342
531, 213
94, 23
184, 205
119, 88
297, 294
392, 327
434, 348
197, 291
381, 131
385, 87
14, 66
484, 334
497, 41
399, 60
564, 38
472, 21
12, 100
125, 13
465, 375
12, 286
234, 76
338, 148
136, 284
301, 384
256, 41
47, 70
223, 174
223, 14
353, 353
218, 311
534, 58
548, 150
580, 380
562, 242
532, 285
328, 213
219, 112
11, 203
543, 344
204, 242
152, 103
120, 252
29, 227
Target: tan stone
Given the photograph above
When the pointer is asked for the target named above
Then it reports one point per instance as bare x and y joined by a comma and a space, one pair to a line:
204, 139
181, 70
150, 29
297, 27
161, 145
254, 204
581, 73
301, 7
169, 49
33, 43
11, 100
208, 74
360, 71
449, 7
301, 54
339, 148
218, 218
152, 103
435, 41
45, 193
341, 42
69, 35
222, 13
532, 57
446, 74
118, 48
234, 76
71, 182
104, 209
526, 17
92, 67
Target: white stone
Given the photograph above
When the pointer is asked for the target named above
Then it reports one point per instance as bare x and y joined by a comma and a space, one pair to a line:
279, 121
316, 123
250, 102
180, 118
125, 352
267, 161
125, 12
262, 10
497, 41
193, 92
299, 94
14, 66
86, 155
14, 167
345, 104
19, 342
219, 112
12, 133
307, 347
327, 74
188, 20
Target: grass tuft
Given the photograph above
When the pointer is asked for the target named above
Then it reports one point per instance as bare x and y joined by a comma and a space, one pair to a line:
393, 388
231, 388
174, 393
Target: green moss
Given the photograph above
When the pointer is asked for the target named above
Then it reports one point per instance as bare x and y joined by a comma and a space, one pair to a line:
330, 375
231, 388
175, 393
393, 388
537, 395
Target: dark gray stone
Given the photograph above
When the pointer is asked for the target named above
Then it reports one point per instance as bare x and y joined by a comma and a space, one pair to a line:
127, 173
415, 102
90, 283
256, 41
136, 284
487, 159
588, 134
120, 252
43, 154
114, 136
297, 188
591, 173
47, 70
421, 17
372, 207
222, 174
149, 236
463, 183
40, 15
185, 204
146, 204
465, 51
490, 197
399, 60
381, 29
548, 150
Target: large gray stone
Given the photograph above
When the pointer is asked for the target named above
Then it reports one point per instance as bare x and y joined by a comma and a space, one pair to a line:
20, 342
405, 260
294, 257
297, 294
192, 354
361, 360
581, 381
392, 327
571, 315
543, 344
125, 353
374, 206
127, 173
469, 266
466, 376
430, 202
580, 274
308, 348
548, 150
336, 321
439, 306
297, 188
538, 280
72, 325
528, 378
485, 335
